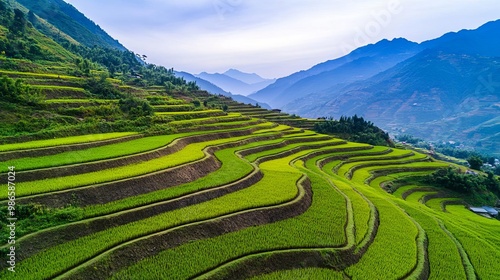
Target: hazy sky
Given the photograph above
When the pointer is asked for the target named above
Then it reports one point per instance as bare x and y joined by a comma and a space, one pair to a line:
273, 38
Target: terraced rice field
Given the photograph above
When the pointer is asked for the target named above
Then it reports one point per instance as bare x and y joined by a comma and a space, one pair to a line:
236, 197
272, 115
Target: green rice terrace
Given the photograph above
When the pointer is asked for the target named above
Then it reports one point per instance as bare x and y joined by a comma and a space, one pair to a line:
223, 190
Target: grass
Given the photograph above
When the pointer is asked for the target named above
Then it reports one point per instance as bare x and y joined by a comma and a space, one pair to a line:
365, 173
437, 203
174, 108
78, 101
190, 113
319, 226
63, 141
416, 196
401, 190
188, 154
232, 169
460, 243
378, 161
332, 142
376, 183
444, 258
39, 75
480, 246
55, 259
208, 120
393, 253
302, 274
126, 148
53, 87
280, 127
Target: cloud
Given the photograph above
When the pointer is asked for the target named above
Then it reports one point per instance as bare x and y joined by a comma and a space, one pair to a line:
274, 38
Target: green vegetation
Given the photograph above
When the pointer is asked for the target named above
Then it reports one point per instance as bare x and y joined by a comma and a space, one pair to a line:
16, 91
476, 188
282, 234
355, 129
64, 141
188, 154
302, 274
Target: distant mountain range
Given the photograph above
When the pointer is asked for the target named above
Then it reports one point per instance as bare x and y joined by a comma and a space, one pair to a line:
442, 89
235, 81
210, 87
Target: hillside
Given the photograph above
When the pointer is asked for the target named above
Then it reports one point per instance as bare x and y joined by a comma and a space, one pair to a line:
443, 89
357, 65
70, 21
132, 172
434, 95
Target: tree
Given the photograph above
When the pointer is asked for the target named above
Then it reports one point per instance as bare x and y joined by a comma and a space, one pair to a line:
135, 107
475, 162
355, 129
16, 91
19, 22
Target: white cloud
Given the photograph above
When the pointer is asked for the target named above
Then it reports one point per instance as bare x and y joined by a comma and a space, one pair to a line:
272, 38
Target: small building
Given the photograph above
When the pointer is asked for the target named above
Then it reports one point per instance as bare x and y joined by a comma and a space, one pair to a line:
276, 110
478, 210
470, 172
492, 211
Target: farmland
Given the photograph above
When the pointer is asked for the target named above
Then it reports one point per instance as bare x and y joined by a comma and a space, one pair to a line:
242, 193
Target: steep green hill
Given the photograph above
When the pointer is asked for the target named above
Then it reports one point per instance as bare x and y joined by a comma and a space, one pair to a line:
18, 39
71, 22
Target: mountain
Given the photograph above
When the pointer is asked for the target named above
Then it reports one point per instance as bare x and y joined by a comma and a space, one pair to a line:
450, 90
227, 83
71, 22
357, 65
248, 78
18, 39
484, 41
214, 89
237, 82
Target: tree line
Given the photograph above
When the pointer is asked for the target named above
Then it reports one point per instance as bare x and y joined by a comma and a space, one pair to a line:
355, 129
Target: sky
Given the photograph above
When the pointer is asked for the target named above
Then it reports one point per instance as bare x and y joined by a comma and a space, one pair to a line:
273, 38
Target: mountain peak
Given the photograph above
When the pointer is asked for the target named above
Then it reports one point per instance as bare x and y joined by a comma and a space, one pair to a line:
484, 41
249, 78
